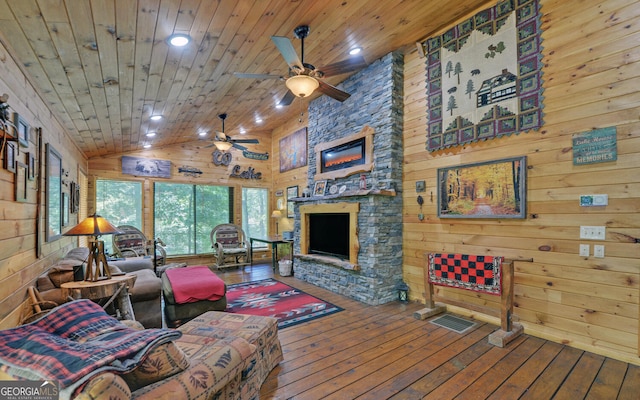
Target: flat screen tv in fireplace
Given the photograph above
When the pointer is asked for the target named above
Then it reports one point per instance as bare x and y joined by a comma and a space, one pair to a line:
329, 234
343, 156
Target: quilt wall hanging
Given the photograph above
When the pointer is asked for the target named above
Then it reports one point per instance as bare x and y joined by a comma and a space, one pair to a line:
484, 76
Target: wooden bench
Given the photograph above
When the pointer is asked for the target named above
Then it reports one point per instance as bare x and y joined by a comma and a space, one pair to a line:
485, 274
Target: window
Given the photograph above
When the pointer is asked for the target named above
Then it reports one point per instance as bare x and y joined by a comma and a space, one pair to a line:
120, 202
255, 214
185, 214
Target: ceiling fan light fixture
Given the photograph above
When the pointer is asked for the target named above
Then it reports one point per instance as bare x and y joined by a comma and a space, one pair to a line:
179, 39
302, 85
222, 146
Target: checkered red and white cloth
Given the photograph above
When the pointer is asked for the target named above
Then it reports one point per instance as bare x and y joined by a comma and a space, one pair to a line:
471, 272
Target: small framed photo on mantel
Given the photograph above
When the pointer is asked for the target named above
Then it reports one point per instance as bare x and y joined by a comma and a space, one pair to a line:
319, 188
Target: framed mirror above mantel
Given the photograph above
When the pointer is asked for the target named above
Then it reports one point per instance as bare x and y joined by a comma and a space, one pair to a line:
347, 156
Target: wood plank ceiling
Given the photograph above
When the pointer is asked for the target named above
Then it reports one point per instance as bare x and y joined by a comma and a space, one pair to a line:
104, 66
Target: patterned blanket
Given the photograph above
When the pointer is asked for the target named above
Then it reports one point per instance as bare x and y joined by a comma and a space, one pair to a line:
472, 272
73, 342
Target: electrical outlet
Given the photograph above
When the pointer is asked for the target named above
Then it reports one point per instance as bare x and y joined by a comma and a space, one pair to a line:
598, 250
584, 250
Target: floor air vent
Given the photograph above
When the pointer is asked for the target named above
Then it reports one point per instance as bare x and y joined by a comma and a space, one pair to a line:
453, 323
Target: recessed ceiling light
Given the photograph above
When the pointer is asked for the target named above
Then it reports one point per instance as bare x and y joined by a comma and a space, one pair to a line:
156, 117
179, 39
242, 131
147, 146
202, 133
151, 134
355, 50
258, 120
278, 105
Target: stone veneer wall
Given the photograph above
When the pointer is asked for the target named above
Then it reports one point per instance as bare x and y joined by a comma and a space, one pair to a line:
376, 100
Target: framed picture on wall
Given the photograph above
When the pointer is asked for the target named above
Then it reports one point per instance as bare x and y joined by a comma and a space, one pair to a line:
319, 188
31, 166
21, 181
9, 159
493, 189
22, 128
293, 150
292, 192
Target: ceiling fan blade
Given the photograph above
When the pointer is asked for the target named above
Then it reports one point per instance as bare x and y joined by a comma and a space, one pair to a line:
333, 91
287, 99
288, 52
253, 141
257, 76
349, 65
238, 146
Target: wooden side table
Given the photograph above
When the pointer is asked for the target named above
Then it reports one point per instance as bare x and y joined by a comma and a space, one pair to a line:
114, 289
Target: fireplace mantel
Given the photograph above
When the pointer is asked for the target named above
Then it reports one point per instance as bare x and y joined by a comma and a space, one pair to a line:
347, 193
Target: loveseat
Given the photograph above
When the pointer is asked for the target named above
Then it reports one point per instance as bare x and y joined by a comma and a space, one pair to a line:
214, 356
145, 294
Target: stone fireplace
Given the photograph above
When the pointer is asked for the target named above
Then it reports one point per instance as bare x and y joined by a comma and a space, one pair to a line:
373, 267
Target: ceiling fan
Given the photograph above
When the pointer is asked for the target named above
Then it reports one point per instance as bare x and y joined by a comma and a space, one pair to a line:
304, 78
224, 142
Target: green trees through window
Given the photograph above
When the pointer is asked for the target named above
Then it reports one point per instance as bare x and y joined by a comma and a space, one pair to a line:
184, 215
255, 214
120, 202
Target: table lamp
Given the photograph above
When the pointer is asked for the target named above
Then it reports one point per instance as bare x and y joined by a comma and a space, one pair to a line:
94, 225
277, 215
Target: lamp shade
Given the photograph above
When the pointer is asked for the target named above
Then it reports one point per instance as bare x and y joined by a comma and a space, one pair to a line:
93, 225
222, 146
302, 85
276, 214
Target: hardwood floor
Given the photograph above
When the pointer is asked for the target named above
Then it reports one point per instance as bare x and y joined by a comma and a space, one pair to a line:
382, 352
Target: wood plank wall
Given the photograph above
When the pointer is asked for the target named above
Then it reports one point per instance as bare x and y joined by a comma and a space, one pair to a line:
19, 263
591, 79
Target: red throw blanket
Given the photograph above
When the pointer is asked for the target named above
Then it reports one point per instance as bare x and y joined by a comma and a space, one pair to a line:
193, 284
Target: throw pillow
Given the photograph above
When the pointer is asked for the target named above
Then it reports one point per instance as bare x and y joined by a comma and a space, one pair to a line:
162, 362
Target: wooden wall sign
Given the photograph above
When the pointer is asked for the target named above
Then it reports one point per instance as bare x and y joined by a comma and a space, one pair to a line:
595, 146
249, 173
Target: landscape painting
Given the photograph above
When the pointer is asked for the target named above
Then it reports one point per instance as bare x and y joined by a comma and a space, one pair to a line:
494, 189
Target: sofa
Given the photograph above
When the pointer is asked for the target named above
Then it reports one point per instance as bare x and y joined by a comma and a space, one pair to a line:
214, 356
145, 293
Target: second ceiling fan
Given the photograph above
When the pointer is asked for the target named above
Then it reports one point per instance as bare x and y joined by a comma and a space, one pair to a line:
225, 142
304, 78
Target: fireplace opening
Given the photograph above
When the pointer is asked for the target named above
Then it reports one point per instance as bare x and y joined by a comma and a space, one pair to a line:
343, 156
329, 234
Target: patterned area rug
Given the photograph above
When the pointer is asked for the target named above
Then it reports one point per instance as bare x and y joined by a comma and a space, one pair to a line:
272, 298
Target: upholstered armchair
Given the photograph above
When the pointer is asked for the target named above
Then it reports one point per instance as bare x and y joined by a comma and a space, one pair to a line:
230, 246
133, 243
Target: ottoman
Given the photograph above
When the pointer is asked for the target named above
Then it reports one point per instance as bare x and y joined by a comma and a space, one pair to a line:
190, 291
261, 332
